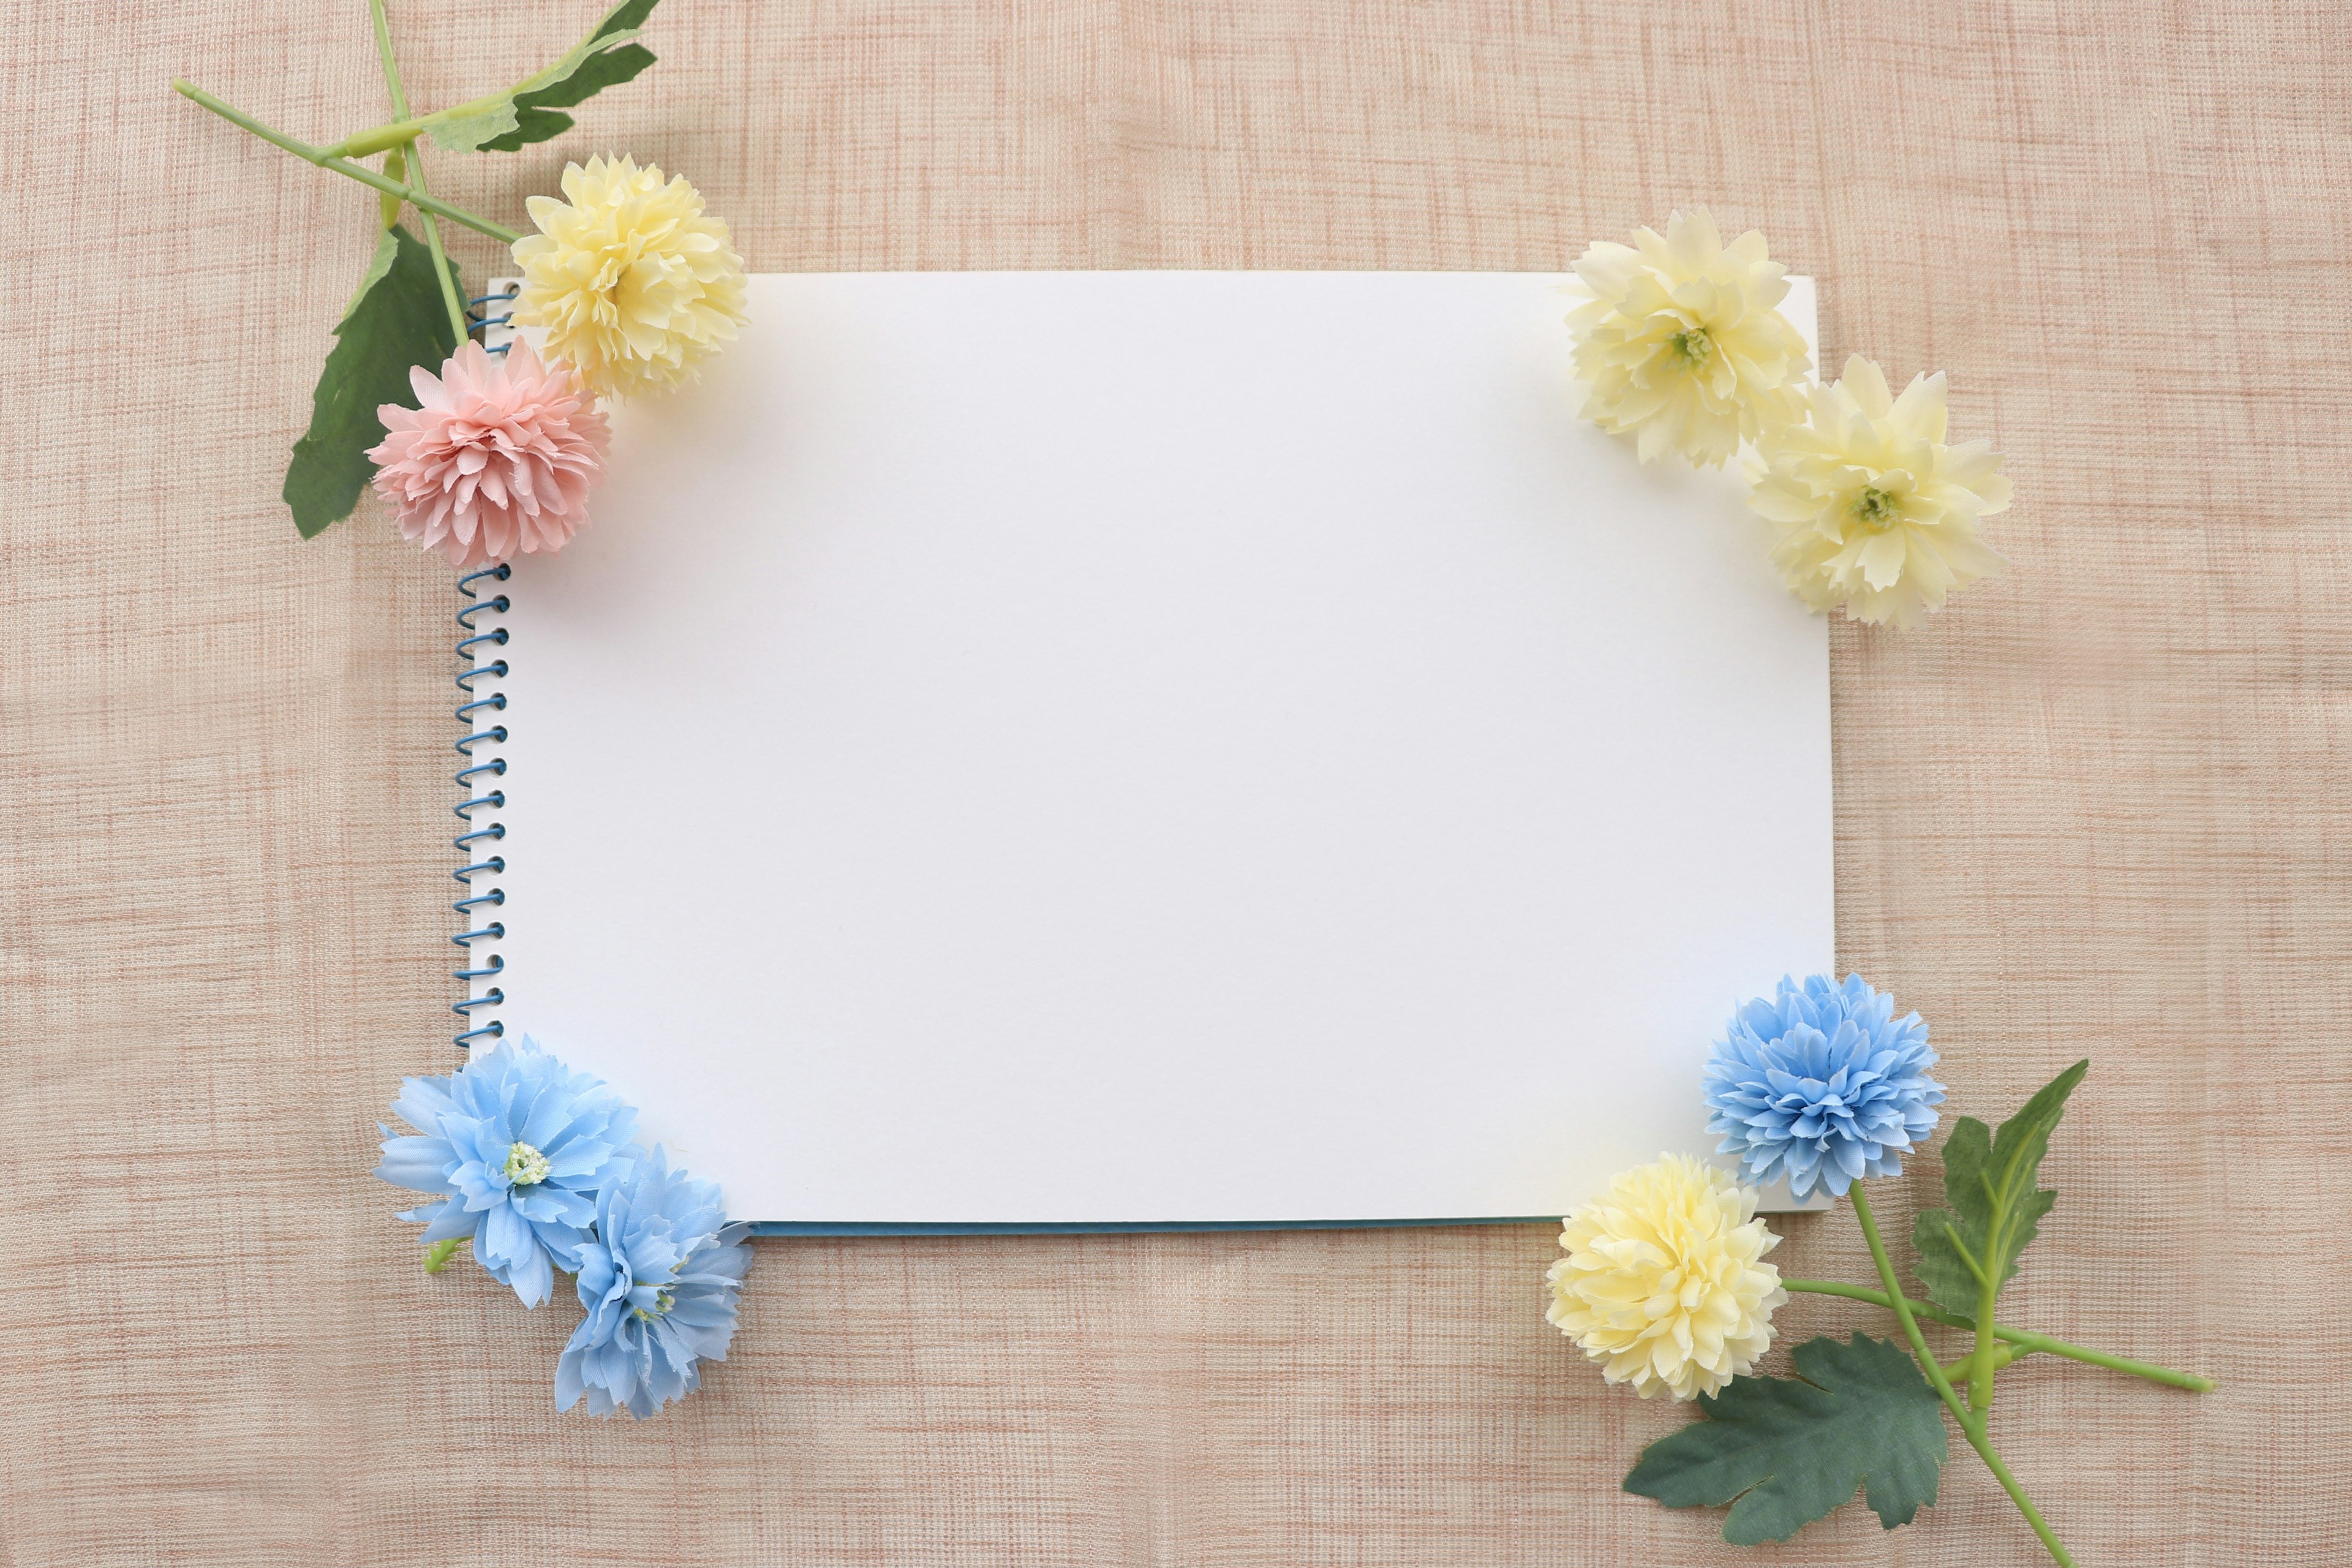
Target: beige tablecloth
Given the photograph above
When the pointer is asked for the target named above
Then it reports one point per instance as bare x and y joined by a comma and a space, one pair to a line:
2097, 807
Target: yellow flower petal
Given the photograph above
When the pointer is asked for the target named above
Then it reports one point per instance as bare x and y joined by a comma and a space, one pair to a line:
1664, 1282
634, 283
1876, 516
1682, 345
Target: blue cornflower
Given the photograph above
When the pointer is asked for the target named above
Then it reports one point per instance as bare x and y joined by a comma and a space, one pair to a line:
519, 1145
1823, 1084
659, 1279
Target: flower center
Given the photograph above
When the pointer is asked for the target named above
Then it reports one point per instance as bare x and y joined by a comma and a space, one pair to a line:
1876, 509
662, 1302
1691, 344
526, 1166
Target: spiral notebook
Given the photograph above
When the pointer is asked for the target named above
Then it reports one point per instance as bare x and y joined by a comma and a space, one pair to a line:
1134, 750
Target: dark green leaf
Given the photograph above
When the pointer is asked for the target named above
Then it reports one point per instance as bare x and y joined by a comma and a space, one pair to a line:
1947, 1271
396, 321
628, 16
606, 57
1996, 1208
1785, 1451
536, 119
532, 124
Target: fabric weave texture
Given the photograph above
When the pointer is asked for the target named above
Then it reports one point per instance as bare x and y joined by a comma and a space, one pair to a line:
2097, 806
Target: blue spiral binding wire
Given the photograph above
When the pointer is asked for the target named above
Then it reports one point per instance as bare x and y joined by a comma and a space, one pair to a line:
467, 843
478, 832
477, 317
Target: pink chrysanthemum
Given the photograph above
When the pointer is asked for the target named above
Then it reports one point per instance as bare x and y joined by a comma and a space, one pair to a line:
498, 458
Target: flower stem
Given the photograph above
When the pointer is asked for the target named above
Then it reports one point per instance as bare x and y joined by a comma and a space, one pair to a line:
1971, 1423
349, 170
1981, 1367
404, 131
2025, 1341
382, 138
436, 1256
415, 170
395, 167
2001, 1357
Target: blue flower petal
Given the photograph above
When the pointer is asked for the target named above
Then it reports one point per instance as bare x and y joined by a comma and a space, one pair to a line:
659, 1278
469, 1120
1822, 1081
452, 1222
532, 1275
423, 1102
418, 1163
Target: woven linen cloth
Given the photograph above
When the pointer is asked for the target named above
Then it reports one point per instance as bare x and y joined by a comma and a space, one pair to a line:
2097, 808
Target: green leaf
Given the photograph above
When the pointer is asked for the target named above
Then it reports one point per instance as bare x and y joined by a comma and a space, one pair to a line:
1785, 1451
378, 265
606, 57
1996, 1208
536, 119
396, 321
628, 15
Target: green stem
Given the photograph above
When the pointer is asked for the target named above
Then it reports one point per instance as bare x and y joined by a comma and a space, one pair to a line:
382, 138
1981, 1367
404, 131
436, 1256
415, 170
395, 167
2001, 1356
349, 170
1971, 1424
2024, 1341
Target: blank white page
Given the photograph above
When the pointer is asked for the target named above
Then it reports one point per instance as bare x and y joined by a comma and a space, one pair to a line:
1146, 747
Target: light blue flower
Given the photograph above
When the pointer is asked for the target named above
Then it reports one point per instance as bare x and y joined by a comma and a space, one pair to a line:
659, 1279
518, 1145
1822, 1083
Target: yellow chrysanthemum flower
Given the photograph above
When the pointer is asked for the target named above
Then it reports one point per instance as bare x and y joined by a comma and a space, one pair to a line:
1664, 1281
1877, 514
1683, 345
634, 282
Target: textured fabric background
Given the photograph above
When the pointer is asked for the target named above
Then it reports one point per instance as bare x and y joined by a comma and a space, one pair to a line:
2097, 808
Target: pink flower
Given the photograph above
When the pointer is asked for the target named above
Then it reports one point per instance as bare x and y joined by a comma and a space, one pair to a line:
499, 457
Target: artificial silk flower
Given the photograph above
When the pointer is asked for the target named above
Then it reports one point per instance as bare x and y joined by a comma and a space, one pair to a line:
634, 282
1876, 515
497, 457
518, 1145
1664, 1282
1683, 345
659, 1279
1822, 1083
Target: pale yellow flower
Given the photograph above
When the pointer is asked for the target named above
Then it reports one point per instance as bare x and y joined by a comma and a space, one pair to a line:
634, 282
1664, 1281
1682, 345
1877, 514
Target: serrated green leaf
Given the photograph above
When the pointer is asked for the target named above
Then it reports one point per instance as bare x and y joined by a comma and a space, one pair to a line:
1947, 1267
469, 129
1785, 1451
1996, 1208
606, 57
386, 248
626, 15
536, 119
532, 124
396, 321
